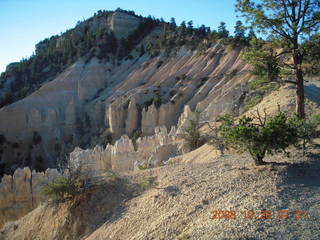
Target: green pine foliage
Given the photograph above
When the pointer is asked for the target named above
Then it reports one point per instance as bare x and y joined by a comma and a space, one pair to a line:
62, 189
73, 181
192, 135
260, 135
307, 130
54, 54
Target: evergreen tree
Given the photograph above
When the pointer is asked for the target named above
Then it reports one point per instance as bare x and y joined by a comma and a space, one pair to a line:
239, 30
173, 23
291, 22
222, 30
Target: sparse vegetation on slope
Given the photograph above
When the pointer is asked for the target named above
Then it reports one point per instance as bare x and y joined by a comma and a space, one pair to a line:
192, 135
263, 135
183, 203
72, 183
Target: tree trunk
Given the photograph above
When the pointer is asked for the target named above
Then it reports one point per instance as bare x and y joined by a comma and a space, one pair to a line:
300, 94
258, 161
258, 157
297, 61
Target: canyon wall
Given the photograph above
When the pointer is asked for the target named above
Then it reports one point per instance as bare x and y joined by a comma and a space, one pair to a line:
137, 94
126, 155
21, 192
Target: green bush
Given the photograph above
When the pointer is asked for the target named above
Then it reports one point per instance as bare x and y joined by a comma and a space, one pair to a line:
259, 136
192, 135
257, 83
110, 176
63, 189
262, 84
307, 130
253, 101
259, 88
72, 183
159, 63
157, 99
215, 140
146, 182
144, 166
135, 135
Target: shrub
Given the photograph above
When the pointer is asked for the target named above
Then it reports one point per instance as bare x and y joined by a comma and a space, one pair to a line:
184, 76
253, 101
215, 140
232, 74
146, 182
144, 166
307, 130
191, 133
262, 84
40, 165
258, 88
71, 184
63, 189
172, 92
258, 136
157, 99
180, 94
135, 135
110, 176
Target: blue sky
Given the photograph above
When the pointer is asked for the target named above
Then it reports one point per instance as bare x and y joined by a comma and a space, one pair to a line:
23, 23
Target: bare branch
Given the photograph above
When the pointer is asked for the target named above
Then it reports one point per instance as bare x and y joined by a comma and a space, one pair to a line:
265, 116
284, 52
290, 81
260, 118
306, 7
287, 15
211, 128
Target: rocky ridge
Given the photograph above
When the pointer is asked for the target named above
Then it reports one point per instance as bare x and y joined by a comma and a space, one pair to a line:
21, 192
97, 96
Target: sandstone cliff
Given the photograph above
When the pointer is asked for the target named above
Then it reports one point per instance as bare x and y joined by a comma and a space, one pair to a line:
21, 193
88, 97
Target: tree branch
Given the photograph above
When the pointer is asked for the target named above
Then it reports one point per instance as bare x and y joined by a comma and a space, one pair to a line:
290, 81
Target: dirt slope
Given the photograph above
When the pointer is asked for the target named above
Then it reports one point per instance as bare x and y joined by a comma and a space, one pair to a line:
180, 206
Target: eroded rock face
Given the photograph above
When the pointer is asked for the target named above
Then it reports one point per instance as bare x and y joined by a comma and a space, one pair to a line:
116, 119
123, 24
122, 156
184, 120
100, 96
21, 193
150, 119
132, 121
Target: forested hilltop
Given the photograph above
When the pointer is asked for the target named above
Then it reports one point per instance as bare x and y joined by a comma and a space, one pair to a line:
94, 37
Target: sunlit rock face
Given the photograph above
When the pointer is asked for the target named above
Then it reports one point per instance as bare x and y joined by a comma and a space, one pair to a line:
124, 156
21, 192
122, 24
97, 95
